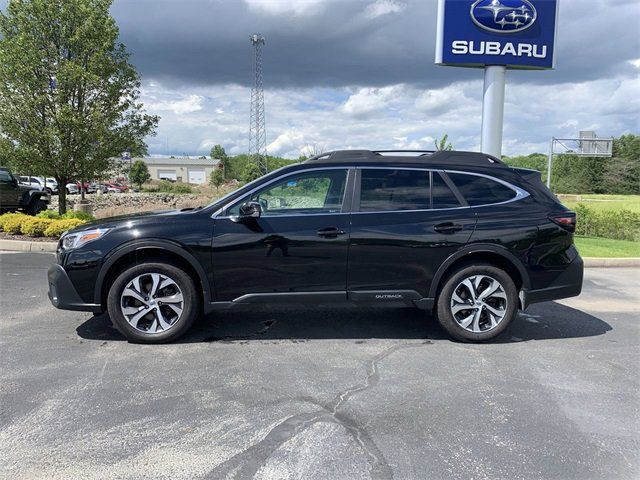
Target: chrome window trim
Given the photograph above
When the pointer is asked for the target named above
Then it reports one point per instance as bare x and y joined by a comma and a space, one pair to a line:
519, 192
218, 213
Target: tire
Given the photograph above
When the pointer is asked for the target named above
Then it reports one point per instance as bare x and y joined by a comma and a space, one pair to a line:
488, 313
36, 206
171, 283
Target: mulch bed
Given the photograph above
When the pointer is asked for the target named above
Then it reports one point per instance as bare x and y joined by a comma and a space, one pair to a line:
26, 238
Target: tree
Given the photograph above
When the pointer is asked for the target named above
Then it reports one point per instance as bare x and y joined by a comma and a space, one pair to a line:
251, 172
139, 173
218, 153
442, 143
69, 98
217, 178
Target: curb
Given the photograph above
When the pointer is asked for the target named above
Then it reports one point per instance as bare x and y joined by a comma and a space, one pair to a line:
594, 262
22, 246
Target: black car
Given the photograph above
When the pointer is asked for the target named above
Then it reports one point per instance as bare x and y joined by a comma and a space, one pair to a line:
459, 234
16, 197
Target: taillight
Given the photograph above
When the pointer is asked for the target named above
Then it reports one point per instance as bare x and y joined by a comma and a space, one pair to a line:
566, 220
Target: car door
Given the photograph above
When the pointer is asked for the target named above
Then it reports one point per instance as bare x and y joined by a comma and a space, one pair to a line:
405, 223
298, 245
9, 192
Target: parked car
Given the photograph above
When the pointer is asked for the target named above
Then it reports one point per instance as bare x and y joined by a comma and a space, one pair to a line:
458, 234
72, 188
18, 197
48, 184
117, 187
89, 187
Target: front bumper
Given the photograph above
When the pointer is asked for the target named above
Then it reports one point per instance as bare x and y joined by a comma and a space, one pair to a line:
62, 293
568, 284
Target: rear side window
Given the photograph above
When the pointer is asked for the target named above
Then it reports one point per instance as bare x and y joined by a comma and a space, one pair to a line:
443, 197
481, 190
386, 190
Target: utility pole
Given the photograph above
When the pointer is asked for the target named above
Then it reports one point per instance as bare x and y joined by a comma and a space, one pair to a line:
257, 131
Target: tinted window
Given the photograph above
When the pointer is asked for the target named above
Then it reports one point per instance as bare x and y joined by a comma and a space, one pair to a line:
443, 197
4, 176
394, 190
312, 192
480, 190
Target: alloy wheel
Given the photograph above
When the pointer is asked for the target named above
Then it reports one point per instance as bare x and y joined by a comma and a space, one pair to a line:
479, 303
152, 302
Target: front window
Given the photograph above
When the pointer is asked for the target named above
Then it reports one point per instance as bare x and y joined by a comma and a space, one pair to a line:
313, 192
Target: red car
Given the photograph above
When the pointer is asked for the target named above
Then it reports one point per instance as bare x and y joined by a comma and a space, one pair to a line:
118, 186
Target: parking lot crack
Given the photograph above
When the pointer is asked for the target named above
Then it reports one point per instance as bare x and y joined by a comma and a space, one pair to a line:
247, 463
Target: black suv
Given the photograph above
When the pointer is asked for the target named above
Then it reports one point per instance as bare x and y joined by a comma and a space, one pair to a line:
459, 234
14, 196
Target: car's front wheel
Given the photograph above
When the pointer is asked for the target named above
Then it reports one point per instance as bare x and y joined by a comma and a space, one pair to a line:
153, 302
477, 303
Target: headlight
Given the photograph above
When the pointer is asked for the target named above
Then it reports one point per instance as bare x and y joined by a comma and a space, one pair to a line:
78, 239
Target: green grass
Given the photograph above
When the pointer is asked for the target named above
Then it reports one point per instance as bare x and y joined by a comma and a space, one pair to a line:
603, 202
606, 248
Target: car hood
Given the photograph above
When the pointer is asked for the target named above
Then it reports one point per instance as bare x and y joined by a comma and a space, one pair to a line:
132, 219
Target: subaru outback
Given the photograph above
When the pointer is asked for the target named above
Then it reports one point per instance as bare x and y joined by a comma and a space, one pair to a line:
460, 235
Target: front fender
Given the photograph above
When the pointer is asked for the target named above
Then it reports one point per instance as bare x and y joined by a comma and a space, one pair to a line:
34, 195
161, 244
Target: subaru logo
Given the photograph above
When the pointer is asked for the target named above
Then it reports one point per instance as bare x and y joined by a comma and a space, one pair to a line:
503, 16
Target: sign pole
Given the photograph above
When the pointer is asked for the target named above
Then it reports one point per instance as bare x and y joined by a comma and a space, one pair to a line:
493, 110
550, 162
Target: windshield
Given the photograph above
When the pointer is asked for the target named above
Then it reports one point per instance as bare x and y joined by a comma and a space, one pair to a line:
220, 202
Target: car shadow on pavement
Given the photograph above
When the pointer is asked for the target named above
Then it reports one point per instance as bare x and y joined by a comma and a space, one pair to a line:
540, 322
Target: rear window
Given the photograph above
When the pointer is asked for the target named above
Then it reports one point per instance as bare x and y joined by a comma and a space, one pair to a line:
481, 190
386, 190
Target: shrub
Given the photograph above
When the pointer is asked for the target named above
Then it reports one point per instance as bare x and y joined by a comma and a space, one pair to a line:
79, 215
11, 222
52, 214
34, 226
7, 217
58, 227
169, 187
615, 224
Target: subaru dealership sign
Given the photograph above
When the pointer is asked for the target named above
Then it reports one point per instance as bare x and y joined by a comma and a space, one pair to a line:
513, 33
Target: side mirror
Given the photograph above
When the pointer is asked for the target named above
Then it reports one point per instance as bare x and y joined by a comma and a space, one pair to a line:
250, 210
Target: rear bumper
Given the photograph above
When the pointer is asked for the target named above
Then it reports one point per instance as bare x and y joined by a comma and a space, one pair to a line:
63, 294
568, 284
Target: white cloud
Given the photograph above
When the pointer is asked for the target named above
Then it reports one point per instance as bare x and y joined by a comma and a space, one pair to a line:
367, 100
280, 7
396, 116
190, 104
286, 142
383, 7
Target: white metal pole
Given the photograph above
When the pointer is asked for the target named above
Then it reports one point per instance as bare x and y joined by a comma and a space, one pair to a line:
493, 109
550, 162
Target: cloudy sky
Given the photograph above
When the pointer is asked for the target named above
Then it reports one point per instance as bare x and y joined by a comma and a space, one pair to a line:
360, 74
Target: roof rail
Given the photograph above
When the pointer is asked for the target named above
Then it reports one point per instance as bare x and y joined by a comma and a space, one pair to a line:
453, 157
423, 153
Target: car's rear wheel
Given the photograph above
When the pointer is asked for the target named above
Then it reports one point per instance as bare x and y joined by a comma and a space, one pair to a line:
153, 302
477, 303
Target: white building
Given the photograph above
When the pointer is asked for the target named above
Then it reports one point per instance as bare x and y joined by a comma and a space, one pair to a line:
180, 169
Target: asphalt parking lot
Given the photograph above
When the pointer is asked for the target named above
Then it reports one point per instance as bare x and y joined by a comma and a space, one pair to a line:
320, 393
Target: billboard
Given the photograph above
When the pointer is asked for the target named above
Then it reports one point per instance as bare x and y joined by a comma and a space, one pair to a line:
514, 33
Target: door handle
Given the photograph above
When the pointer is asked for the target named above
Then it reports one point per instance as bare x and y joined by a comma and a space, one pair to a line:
330, 232
447, 227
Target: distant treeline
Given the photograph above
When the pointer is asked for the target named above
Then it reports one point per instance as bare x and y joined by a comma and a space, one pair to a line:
619, 174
